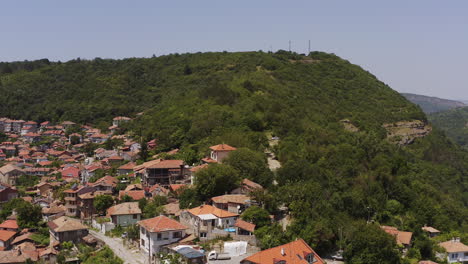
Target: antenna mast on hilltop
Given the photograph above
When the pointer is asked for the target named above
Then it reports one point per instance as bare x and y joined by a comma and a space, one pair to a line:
289, 46
309, 48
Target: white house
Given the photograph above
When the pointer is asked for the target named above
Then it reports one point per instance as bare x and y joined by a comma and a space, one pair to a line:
457, 252
124, 214
158, 231
206, 219
220, 152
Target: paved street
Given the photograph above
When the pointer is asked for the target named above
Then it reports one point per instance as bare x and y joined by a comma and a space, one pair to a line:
129, 256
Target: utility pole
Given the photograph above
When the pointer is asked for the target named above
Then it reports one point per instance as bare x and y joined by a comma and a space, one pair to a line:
309, 48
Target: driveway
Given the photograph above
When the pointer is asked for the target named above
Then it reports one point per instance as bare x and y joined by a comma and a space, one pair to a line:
129, 256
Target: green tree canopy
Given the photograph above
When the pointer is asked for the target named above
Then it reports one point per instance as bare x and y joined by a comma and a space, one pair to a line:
250, 164
370, 244
256, 215
102, 203
216, 179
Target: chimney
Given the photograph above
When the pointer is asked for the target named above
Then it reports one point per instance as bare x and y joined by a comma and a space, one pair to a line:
282, 252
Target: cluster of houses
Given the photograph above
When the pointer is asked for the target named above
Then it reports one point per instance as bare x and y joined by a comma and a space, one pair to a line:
58, 157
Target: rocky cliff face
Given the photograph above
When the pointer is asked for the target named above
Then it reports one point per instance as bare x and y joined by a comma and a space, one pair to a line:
405, 132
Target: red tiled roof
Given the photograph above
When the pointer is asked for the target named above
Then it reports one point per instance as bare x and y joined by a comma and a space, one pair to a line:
454, 246
158, 187
222, 147
128, 166
167, 164
176, 187
199, 167
109, 180
294, 252
136, 195
208, 209
400, 236
251, 185
245, 225
10, 224
6, 235
160, 224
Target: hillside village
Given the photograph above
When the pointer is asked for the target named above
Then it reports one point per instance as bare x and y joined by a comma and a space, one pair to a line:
92, 188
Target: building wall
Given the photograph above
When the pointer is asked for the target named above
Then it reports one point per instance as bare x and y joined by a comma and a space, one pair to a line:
126, 220
156, 243
457, 257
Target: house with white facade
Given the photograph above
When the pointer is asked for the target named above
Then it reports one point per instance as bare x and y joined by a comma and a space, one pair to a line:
220, 152
457, 252
207, 221
125, 214
159, 231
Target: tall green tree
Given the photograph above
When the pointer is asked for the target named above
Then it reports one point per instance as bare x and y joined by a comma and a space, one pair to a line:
370, 244
216, 179
250, 164
102, 203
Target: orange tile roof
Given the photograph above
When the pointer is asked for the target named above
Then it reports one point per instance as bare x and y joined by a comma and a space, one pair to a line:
199, 167
402, 238
109, 180
294, 252
158, 188
231, 198
167, 164
251, 185
208, 209
128, 166
11, 224
136, 195
160, 224
209, 160
430, 229
124, 209
454, 246
6, 235
245, 225
176, 187
222, 147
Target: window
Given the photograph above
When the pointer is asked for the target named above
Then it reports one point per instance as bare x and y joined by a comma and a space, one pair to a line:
143, 242
202, 234
142, 230
159, 236
455, 255
177, 235
311, 258
135, 216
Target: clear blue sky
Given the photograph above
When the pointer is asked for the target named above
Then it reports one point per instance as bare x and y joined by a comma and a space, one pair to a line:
415, 46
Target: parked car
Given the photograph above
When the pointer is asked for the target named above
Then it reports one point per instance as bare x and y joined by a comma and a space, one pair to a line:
213, 255
338, 255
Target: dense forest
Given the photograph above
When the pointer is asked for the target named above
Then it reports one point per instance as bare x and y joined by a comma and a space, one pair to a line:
454, 123
332, 179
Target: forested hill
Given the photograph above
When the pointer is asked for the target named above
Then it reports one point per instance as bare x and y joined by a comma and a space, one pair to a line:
432, 104
338, 167
455, 124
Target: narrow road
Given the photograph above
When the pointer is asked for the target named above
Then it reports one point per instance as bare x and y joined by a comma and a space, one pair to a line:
127, 255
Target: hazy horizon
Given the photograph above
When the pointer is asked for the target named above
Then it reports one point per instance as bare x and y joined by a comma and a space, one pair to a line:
415, 47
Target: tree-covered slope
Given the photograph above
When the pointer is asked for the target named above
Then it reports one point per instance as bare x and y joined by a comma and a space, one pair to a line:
454, 123
331, 177
432, 104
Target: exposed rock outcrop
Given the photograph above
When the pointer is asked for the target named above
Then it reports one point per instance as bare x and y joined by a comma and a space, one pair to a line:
405, 132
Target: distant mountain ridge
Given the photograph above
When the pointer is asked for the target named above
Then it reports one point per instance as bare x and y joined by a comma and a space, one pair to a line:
433, 104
